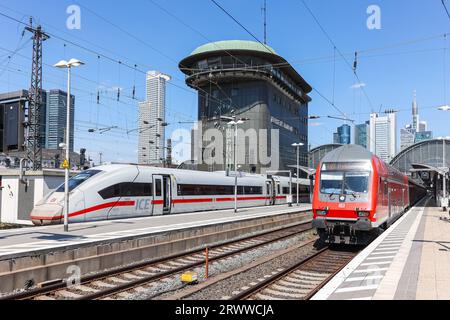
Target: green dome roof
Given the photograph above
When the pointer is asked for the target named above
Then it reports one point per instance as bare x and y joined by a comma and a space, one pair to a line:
233, 45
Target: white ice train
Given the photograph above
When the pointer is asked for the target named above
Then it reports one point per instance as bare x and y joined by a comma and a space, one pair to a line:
125, 191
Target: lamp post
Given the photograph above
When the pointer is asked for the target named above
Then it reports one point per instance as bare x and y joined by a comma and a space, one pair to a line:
235, 123
298, 145
444, 175
67, 65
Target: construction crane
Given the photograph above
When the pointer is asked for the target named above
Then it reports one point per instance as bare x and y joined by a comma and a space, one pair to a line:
33, 125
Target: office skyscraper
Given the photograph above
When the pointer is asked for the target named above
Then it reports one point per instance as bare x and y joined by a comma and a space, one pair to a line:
407, 136
152, 120
56, 117
383, 135
362, 135
417, 131
343, 135
415, 113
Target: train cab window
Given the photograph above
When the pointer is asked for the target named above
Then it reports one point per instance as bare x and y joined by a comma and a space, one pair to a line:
356, 182
78, 180
331, 182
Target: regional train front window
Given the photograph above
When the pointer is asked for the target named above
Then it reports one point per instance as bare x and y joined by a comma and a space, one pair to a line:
348, 183
78, 179
331, 182
356, 182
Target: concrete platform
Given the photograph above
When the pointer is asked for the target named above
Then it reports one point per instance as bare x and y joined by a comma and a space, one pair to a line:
44, 254
410, 261
20, 242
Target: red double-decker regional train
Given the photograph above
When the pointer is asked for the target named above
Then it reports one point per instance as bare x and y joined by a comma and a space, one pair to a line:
357, 196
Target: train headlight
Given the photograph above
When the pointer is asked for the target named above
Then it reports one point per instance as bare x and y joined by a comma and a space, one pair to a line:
321, 212
363, 214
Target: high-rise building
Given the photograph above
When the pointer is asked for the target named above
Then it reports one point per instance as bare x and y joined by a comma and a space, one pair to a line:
415, 132
152, 117
343, 135
362, 134
423, 136
383, 135
241, 78
336, 138
56, 118
407, 137
423, 126
415, 114
12, 117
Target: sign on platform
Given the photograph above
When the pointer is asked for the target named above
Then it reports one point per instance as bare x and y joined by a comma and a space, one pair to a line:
65, 164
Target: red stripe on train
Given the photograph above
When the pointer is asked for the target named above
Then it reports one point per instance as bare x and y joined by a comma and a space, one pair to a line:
91, 209
154, 202
192, 200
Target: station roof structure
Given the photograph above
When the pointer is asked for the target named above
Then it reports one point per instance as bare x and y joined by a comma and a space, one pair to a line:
428, 154
236, 47
316, 154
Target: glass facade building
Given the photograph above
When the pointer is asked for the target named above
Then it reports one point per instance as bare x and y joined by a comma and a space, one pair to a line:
362, 135
243, 79
343, 135
56, 114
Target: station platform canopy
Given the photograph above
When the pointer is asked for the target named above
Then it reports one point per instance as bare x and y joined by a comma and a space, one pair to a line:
316, 154
429, 154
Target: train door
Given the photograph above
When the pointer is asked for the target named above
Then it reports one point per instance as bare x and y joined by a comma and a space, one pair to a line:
277, 192
389, 202
158, 195
270, 193
167, 194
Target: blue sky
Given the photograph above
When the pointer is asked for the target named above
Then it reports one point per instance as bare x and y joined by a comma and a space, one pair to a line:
407, 54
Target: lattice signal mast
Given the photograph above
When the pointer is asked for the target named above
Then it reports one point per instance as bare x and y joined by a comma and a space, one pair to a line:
33, 141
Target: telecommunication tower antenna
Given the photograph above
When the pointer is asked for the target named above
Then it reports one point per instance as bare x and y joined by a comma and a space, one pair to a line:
264, 10
33, 141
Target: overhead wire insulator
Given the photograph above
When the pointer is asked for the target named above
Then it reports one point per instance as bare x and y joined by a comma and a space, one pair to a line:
355, 63
134, 83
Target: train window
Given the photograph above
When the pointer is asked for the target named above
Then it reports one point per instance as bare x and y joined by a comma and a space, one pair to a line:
302, 189
209, 190
127, 189
356, 182
252, 190
331, 182
158, 189
78, 179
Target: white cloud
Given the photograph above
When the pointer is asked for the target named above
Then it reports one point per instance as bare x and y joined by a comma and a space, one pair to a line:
316, 124
358, 86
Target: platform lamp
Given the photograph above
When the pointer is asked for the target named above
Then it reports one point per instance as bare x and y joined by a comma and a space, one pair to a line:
297, 146
67, 65
444, 185
234, 123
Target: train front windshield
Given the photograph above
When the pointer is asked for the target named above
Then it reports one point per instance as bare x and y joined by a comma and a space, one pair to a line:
344, 179
78, 179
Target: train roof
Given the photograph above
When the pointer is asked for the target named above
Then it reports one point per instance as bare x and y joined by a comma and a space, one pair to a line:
191, 175
348, 153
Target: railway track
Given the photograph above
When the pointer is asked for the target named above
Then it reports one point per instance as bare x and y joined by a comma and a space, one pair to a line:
300, 281
123, 282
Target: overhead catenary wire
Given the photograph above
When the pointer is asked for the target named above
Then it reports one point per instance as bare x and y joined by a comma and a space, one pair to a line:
252, 35
353, 68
